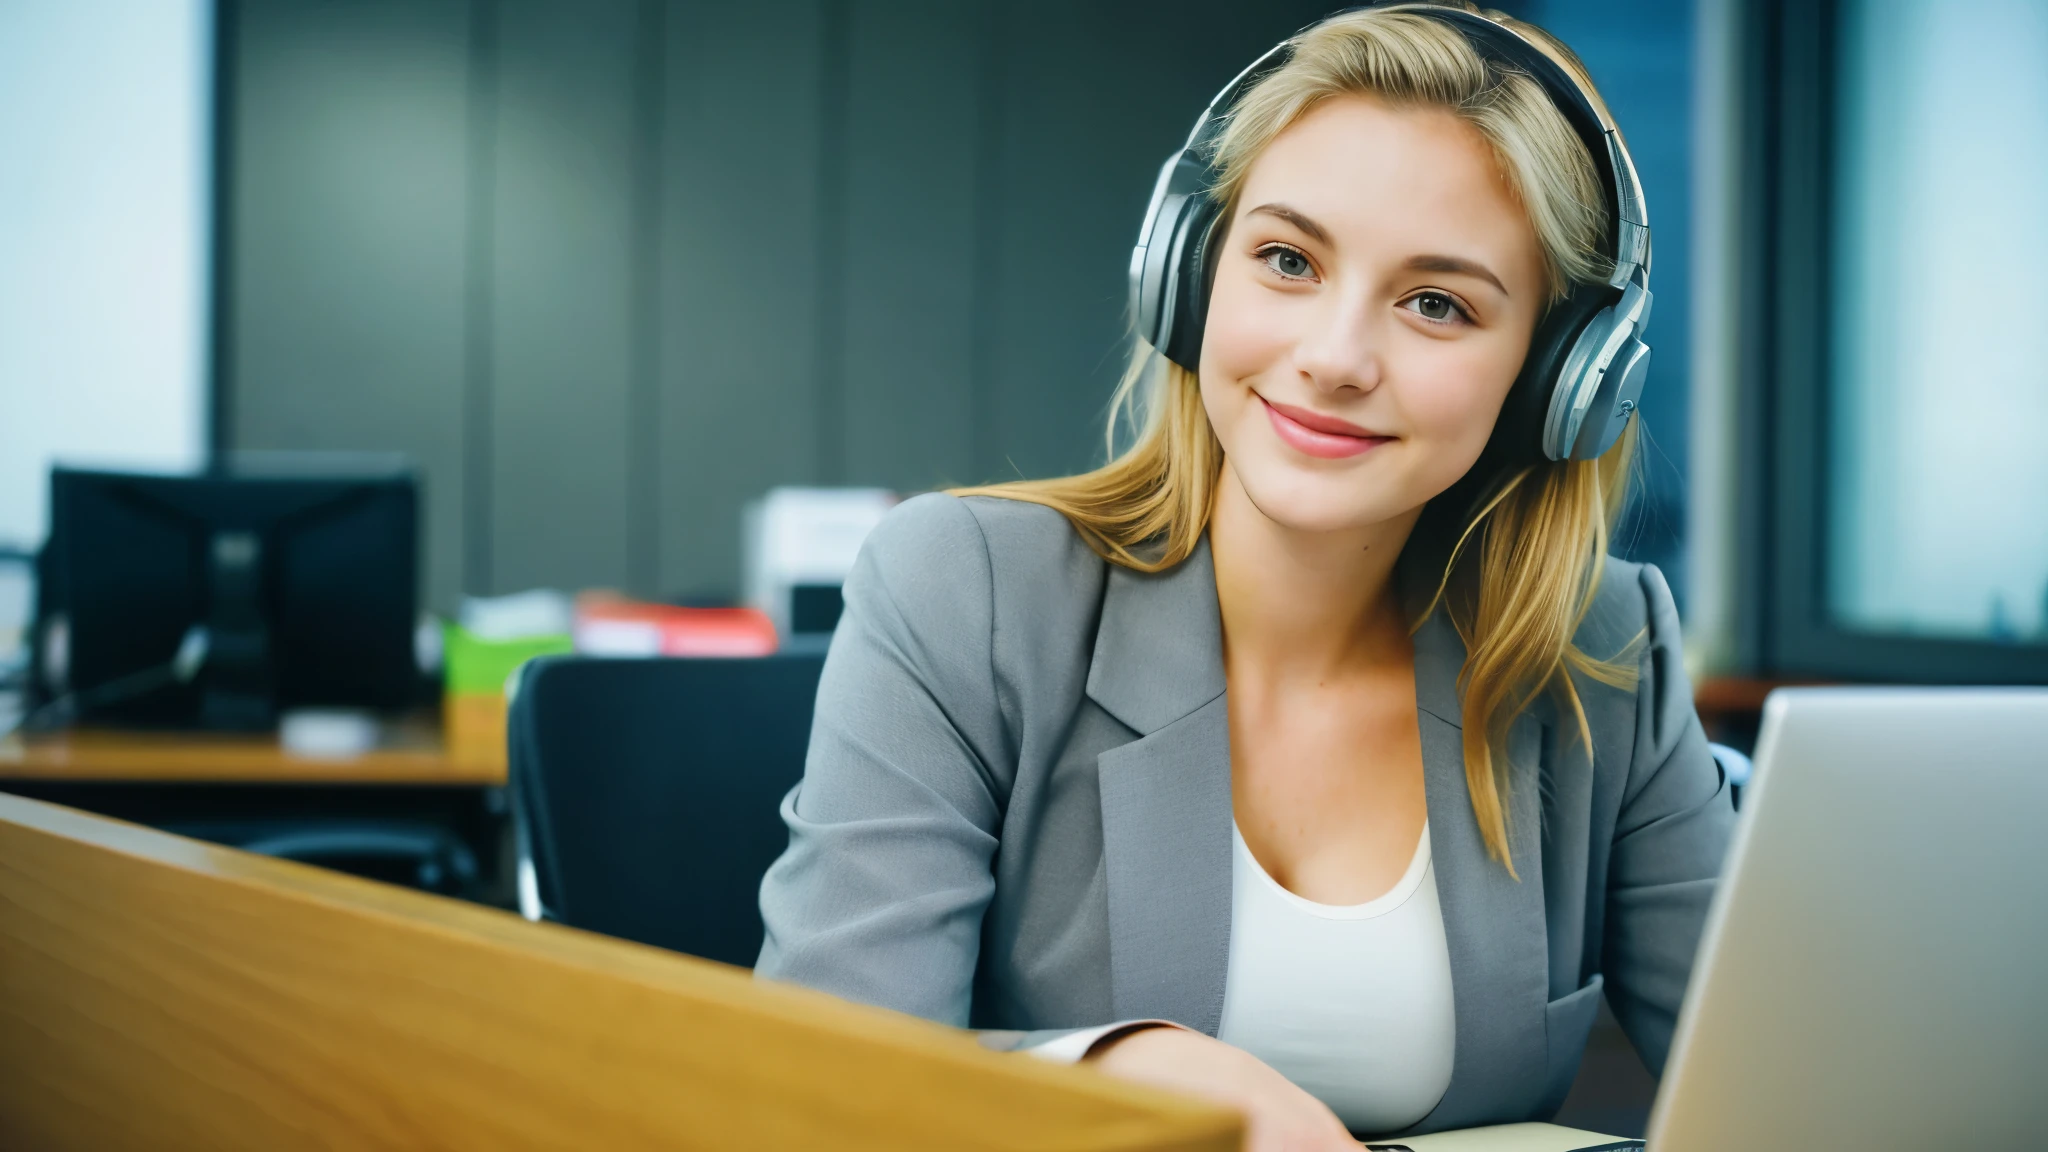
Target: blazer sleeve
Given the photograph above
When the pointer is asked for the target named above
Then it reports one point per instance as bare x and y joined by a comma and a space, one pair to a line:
880, 894
1671, 833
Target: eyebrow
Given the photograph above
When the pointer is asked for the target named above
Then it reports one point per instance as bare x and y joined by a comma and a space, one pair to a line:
1428, 263
1456, 264
1298, 219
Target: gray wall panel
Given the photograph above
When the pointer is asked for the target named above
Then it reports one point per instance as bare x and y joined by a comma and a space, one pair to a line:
742, 230
908, 225
351, 134
1058, 309
561, 283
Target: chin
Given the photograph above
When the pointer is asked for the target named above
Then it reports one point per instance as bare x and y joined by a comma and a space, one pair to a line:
1316, 500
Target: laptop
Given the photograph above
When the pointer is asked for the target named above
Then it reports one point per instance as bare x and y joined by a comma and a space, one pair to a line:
1874, 972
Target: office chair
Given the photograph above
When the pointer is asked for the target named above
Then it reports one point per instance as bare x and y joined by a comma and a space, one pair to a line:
412, 852
1736, 766
645, 793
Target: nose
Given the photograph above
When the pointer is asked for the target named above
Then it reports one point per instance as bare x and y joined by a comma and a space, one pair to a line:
1342, 346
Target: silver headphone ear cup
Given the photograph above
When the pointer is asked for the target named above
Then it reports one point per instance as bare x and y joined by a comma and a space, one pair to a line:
1586, 402
1570, 396
1155, 259
1189, 292
1621, 386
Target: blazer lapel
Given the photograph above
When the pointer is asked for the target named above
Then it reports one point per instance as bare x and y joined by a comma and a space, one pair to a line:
1166, 809
1493, 924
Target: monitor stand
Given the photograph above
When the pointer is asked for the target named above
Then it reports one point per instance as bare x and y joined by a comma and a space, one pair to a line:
238, 687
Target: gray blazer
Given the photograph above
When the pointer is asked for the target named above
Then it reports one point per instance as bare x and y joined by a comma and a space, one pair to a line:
1016, 811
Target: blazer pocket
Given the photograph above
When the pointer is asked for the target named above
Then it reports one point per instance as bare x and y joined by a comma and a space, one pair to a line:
1568, 1021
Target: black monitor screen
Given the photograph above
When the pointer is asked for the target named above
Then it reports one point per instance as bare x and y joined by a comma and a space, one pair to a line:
306, 586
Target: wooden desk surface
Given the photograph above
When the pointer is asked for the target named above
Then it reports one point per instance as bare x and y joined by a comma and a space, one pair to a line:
160, 993
468, 749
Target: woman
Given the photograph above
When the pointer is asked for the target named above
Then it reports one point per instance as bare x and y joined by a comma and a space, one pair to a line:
1310, 755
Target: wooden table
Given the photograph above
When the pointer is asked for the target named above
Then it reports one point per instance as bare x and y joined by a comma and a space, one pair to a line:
162, 993
448, 772
1731, 707
466, 748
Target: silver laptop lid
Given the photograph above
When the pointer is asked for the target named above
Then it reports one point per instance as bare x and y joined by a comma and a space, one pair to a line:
1874, 972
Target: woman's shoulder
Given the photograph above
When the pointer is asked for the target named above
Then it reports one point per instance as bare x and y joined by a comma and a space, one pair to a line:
1014, 535
1636, 715
1019, 565
1631, 611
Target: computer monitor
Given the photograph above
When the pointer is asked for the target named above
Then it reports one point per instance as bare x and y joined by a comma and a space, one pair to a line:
302, 586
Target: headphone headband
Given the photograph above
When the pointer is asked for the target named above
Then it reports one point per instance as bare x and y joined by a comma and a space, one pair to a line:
1627, 215
1586, 363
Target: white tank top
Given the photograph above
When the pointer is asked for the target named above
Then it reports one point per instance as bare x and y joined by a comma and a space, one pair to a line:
1352, 1003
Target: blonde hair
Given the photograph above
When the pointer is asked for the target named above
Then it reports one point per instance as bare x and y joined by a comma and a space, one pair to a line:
1521, 545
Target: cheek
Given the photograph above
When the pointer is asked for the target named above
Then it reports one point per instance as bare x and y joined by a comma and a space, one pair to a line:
1453, 403
1249, 334
1248, 331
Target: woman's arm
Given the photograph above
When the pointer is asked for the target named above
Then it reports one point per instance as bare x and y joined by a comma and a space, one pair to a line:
1279, 1117
1672, 832
879, 897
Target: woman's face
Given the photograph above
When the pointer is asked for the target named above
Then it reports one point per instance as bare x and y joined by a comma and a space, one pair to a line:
1373, 302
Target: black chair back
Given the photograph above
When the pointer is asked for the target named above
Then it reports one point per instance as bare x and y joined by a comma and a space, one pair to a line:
645, 793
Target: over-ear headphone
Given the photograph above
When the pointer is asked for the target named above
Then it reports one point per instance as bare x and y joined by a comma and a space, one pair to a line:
1587, 360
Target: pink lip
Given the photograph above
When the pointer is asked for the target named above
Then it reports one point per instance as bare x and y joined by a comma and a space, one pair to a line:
1313, 434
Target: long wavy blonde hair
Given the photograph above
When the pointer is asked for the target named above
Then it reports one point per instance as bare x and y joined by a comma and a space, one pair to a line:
1520, 544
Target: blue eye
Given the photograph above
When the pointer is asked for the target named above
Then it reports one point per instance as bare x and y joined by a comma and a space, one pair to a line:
1287, 262
1436, 307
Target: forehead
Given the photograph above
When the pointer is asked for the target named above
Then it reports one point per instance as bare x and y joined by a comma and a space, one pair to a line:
1416, 179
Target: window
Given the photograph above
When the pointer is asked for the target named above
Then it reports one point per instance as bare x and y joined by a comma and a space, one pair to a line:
1896, 491
1938, 456
105, 113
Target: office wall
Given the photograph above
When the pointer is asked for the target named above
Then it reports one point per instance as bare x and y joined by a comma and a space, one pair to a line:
104, 203
607, 270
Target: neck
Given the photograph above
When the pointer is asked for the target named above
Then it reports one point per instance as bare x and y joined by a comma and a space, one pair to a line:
1299, 604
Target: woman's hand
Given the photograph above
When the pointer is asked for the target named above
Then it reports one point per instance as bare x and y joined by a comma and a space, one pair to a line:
1278, 1116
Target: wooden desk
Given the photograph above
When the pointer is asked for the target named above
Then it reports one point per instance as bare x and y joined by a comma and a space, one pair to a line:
156, 992
1731, 707
467, 748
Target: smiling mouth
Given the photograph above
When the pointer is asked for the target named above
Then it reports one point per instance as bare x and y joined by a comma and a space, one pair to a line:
1314, 434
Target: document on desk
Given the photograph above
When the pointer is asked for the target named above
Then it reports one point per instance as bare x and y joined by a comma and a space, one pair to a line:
1509, 1138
